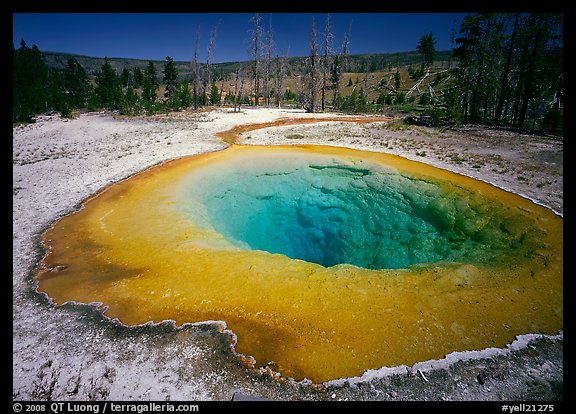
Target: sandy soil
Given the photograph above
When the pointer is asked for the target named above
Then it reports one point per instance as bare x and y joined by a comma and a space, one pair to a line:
72, 352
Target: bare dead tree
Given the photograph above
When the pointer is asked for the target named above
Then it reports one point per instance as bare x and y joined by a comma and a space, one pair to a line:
313, 71
255, 54
268, 61
280, 76
327, 58
209, 53
196, 69
221, 91
238, 86
341, 65
366, 74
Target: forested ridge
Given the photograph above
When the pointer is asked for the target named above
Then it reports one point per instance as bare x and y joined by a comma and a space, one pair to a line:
504, 69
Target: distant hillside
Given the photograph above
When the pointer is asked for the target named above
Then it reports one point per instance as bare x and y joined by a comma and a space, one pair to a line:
357, 63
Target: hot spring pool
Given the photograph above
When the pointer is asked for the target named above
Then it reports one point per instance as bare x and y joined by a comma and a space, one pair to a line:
333, 211
324, 261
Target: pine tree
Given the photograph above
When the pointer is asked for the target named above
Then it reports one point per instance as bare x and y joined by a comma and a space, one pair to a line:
125, 77
108, 86
183, 98
29, 76
138, 77
510, 69
214, 94
128, 101
170, 77
149, 83
426, 47
56, 98
76, 83
397, 79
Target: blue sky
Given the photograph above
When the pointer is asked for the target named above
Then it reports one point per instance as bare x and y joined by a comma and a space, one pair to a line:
153, 36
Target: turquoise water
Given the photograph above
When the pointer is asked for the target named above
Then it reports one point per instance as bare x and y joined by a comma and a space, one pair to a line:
333, 211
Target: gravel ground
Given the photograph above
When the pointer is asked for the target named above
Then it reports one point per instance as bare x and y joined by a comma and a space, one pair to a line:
73, 352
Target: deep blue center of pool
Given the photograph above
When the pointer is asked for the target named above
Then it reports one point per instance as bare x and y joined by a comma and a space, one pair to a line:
330, 212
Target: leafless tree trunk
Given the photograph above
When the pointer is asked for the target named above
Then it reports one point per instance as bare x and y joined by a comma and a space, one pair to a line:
196, 69
537, 47
280, 75
236, 86
366, 74
221, 92
239, 84
327, 61
342, 65
209, 54
268, 63
313, 71
255, 53
504, 83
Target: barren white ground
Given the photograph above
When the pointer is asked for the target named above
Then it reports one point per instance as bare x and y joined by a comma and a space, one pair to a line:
74, 353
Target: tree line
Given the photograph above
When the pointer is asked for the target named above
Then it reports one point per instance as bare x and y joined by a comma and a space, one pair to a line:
508, 71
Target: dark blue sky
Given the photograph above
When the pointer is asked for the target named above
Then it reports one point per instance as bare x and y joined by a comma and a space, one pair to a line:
153, 36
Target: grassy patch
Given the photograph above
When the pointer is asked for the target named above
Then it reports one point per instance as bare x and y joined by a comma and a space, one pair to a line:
396, 125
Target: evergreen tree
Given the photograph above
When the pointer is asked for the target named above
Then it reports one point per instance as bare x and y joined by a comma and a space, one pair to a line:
289, 95
125, 78
183, 98
397, 79
538, 39
108, 87
76, 83
149, 83
138, 77
361, 104
355, 102
336, 71
381, 100
57, 99
128, 101
29, 75
214, 94
170, 77
510, 69
426, 47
